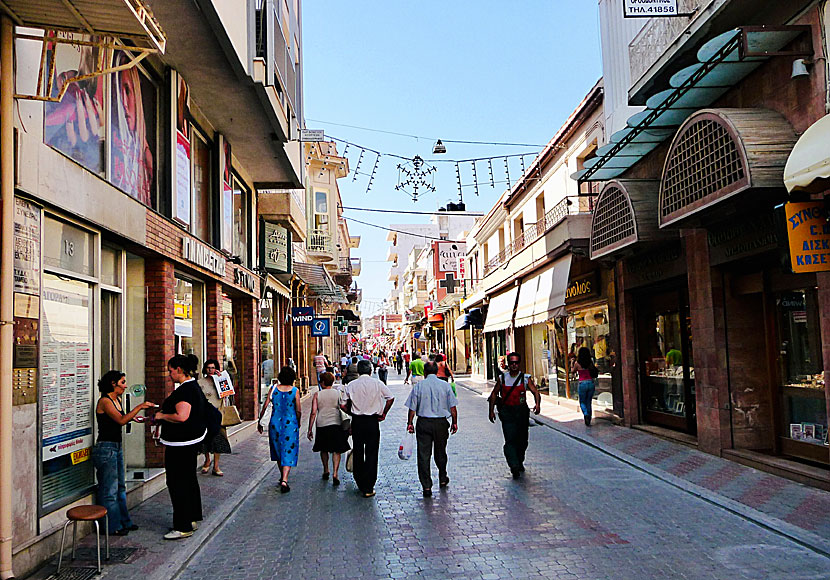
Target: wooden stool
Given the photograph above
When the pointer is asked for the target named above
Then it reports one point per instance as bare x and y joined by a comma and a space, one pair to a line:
85, 513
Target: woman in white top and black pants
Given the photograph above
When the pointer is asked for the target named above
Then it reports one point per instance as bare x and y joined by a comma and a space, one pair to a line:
182, 431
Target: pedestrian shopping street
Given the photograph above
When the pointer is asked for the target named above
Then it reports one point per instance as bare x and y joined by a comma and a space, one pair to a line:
577, 513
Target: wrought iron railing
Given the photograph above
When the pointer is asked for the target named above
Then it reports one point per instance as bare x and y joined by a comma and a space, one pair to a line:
286, 77
568, 206
319, 241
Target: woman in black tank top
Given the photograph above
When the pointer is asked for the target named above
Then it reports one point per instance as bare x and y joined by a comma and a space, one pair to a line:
108, 455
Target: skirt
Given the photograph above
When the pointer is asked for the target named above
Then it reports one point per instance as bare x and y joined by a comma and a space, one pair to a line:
331, 439
219, 444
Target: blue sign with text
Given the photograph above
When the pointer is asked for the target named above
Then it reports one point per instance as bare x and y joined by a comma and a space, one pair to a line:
302, 315
320, 327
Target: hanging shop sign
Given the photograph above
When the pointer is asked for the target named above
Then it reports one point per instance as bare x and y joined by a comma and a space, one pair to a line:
226, 188
276, 249
244, 279
448, 255
354, 329
182, 143
808, 233
650, 8
583, 288
302, 315
26, 247
742, 238
320, 327
199, 254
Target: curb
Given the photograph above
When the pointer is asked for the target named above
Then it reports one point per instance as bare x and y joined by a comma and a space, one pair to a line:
798, 535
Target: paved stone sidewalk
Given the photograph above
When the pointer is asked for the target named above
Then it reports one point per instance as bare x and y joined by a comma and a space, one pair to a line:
804, 507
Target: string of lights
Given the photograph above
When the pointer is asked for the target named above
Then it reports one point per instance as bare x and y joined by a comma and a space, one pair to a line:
425, 237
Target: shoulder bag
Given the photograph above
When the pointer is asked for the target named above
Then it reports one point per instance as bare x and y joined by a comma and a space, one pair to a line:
230, 415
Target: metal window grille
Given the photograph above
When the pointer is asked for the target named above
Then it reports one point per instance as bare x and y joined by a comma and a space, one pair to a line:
705, 161
613, 220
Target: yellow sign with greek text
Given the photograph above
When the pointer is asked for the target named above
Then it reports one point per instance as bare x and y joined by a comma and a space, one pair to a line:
81, 455
808, 232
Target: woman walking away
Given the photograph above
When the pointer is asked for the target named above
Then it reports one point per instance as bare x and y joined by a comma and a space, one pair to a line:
183, 429
284, 428
383, 370
108, 454
588, 373
351, 372
331, 438
219, 444
444, 371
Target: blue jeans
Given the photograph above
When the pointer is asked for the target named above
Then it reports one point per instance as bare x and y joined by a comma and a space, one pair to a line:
108, 459
586, 396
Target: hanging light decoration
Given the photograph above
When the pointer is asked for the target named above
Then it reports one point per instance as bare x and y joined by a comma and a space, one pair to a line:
415, 177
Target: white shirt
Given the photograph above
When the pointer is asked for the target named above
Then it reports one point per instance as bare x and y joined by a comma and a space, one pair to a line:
368, 395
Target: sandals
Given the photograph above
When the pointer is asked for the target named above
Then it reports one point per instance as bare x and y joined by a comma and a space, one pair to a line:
284, 486
218, 472
205, 470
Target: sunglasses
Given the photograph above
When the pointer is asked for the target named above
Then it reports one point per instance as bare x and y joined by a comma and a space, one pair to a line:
512, 362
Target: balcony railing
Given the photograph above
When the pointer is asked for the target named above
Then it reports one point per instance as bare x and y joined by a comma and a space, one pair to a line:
286, 78
319, 241
566, 207
345, 266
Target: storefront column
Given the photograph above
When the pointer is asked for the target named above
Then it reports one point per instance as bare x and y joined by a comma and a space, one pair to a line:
213, 324
709, 342
823, 281
627, 356
159, 342
247, 399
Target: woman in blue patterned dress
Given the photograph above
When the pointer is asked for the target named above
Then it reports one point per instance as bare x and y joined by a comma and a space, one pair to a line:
284, 428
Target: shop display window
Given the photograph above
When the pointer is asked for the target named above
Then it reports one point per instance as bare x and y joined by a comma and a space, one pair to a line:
589, 328
801, 367
188, 313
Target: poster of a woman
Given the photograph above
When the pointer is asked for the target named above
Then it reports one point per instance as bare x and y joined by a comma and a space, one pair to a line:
132, 156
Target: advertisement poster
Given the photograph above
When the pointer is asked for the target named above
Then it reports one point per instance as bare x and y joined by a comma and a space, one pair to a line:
226, 187
66, 359
133, 131
182, 209
26, 247
808, 233
76, 125
448, 255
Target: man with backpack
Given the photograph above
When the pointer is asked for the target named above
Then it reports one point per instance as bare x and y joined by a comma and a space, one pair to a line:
509, 397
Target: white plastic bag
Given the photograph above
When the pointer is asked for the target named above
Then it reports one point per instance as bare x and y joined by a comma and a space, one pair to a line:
407, 446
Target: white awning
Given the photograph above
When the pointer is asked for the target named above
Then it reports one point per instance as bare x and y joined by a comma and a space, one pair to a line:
550, 293
527, 300
810, 158
500, 312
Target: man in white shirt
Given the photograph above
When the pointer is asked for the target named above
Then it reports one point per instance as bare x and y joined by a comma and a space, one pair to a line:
367, 400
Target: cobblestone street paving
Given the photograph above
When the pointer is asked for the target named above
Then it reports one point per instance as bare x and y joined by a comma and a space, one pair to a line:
577, 513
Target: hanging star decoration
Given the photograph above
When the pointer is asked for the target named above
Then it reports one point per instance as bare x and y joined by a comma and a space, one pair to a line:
415, 177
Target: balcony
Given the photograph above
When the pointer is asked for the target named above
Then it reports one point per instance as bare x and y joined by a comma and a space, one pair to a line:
280, 70
343, 273
319, 246
281, 206
557, 214
355, 266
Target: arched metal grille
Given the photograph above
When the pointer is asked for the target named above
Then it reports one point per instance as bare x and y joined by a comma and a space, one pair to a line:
705, 162
613, 221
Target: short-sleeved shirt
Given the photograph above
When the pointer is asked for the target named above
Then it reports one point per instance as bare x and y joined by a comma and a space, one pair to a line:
368, 395
345, 361
194, 429
517, 395
320, 363
431, 397
417, 367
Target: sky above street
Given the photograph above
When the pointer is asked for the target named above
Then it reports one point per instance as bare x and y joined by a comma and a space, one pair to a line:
462, 70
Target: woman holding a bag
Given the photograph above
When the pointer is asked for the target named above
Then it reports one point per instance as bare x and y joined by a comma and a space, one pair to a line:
284, 427
587, 373
331, 433
219, 444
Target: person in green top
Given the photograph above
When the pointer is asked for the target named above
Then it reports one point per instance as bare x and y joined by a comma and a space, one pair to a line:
674, 358
416, 369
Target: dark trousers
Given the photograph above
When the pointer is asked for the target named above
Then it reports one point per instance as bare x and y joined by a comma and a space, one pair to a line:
183, 485
432, 432
514, 425
383, 374
366, 441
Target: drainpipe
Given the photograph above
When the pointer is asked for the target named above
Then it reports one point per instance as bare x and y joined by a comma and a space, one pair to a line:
6, 291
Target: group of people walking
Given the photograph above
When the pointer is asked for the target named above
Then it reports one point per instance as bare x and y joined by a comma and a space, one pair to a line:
356, 407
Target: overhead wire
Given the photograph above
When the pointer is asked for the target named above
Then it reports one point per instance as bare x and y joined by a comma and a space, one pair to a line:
416, 235
473, 214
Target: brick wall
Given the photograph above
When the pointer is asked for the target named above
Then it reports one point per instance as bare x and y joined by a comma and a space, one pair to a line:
213, 323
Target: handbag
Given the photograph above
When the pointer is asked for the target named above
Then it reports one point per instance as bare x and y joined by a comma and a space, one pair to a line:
230, 416
345, 421
349, 462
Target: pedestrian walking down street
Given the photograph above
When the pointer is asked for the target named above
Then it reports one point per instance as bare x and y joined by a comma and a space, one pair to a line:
328, 418
383, 370
434, 403
108, 453
587, 372
367, 400
509, 396
444, 372
320, 364
284, 427
183, 429
399, 362
351, 372
219, 443
415, 370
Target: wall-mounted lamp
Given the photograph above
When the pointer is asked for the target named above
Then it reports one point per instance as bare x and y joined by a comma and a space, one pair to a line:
800, 67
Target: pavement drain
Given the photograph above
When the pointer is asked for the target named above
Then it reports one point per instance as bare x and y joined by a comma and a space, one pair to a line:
771, 561
75, 573
611, 476
118, 555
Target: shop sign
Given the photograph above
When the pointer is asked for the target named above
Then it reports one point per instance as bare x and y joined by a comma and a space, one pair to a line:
199, 254
320, 327
582, 288
737, 239
276, 249
354, 329
26, 247
302, 315
429, 306
662, 264
462, 268
809, 235
244, 279
448, 255
650, 8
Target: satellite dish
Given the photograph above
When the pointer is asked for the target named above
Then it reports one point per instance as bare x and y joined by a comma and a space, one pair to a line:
137, 390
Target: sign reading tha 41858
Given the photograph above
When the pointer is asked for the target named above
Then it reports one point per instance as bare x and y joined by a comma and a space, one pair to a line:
649, 8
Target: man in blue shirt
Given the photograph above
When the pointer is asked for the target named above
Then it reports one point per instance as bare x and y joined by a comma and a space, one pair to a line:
433, 401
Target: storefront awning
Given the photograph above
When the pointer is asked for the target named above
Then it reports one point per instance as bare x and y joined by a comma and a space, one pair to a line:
543, 296
723, 62
277, 287
809, 162
319, 282
500, 312
462, 322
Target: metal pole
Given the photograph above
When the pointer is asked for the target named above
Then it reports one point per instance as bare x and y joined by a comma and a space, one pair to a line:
6, 290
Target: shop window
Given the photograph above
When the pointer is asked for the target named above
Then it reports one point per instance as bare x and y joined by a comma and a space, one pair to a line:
133, 117
801, 367
67, 247
200, 150
241, 220
588, 327
188, 312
